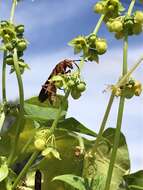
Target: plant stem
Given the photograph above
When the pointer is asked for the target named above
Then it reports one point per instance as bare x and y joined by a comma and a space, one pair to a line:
95, 31
103, 124
14, 3
120, 110
116, 143
4, 78
54, 125
21, 113
25, 169
130, 9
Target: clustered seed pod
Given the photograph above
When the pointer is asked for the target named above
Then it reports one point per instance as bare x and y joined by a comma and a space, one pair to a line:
41, 138
131, 25
131, 88
110, 8
12, 37
91, 46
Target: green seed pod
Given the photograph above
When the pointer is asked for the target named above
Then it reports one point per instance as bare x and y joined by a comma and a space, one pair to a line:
99, 8
39, 144
6, 37
110, 26
137, 28
138, 91
21, 45
20, 29
119, 35
9, 60
70, 83
81, 87
114, 2
101, 46
138, 18
75, 94
117, 26
9, 46
111, 8
128, 92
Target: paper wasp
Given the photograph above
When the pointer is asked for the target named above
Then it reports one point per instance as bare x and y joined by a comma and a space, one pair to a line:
49, 89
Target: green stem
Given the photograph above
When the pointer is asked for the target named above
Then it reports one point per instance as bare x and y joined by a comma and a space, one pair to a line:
95, 31
4, 78
130, 9
54, 125
120, 110
116, 143
25, 169
21, 113
103, 124
14, 3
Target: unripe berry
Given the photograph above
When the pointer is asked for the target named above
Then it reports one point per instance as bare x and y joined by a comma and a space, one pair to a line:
99, 8
137, 29
70, 83
75, 94
101, 46
20, 29
21, 45
58, 84
39, 144
138, 18
9, 60
117, 26
81, 86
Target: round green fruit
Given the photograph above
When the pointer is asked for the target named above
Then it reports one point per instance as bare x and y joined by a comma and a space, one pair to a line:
70, 83
58, 84
21, 45
101, 46
75, 94
138, 18
99, 8
117, 26
81, 87
137, 28
20, 29
9, 60
9, 46
39, 144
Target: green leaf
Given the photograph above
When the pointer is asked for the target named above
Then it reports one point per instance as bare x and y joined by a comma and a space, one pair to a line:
73, 125
3, 168
41, 113
35, 101
73, 180
134, 181
51, 150
101, 159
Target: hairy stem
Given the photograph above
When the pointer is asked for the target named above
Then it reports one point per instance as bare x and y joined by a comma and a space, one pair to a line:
25, 169
4, 78
98, 25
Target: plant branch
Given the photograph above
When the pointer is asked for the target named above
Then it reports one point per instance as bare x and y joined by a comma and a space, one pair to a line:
21, 113
120, 110
98, 25
14, 3
103, 124
25, 169
4, 78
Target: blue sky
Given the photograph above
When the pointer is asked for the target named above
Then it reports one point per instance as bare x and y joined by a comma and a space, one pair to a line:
50, 25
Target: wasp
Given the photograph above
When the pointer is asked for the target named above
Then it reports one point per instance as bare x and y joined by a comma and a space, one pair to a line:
49, 89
